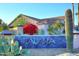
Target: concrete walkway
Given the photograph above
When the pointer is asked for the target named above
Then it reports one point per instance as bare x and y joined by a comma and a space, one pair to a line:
51, 52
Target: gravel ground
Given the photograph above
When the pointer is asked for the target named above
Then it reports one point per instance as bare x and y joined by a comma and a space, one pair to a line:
52, 52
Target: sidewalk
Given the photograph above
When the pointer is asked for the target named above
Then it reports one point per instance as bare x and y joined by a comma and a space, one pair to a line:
51, 52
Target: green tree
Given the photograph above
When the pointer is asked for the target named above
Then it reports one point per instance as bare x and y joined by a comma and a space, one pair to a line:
20, 22
55, 28
0, 21
5, 27
1, 28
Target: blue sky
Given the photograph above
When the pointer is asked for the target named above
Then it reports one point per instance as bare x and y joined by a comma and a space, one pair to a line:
9, 11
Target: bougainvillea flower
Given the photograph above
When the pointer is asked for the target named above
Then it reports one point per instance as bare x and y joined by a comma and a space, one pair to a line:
30, 29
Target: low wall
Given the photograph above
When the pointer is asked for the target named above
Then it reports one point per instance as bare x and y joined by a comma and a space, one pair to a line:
39, 41
56, 41
76, 41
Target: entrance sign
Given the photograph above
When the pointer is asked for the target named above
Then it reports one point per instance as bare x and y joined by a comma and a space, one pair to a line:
39, 41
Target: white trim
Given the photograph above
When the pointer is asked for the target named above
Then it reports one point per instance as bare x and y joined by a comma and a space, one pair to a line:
40, 35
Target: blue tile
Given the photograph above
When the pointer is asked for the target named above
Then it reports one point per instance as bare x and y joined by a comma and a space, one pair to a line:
41, 41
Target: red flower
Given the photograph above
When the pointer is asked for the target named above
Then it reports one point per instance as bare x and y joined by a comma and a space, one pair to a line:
30, 29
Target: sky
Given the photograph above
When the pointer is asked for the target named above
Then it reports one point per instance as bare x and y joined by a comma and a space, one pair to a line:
9, 11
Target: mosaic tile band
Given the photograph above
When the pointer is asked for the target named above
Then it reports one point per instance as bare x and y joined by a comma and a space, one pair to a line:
41, 41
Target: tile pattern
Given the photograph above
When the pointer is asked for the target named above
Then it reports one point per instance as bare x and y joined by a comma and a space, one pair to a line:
41, 41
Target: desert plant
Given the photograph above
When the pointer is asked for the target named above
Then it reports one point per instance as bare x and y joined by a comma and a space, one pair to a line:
4, 46
10, 47
69, 29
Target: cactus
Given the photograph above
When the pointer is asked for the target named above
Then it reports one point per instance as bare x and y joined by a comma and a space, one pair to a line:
69, 29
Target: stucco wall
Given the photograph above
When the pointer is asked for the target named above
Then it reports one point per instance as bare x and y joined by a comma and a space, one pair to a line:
76, 41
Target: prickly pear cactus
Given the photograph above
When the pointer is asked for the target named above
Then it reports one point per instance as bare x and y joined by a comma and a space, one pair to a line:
69, 29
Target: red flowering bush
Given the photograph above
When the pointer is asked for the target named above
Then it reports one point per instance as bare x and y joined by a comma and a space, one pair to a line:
30, 29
